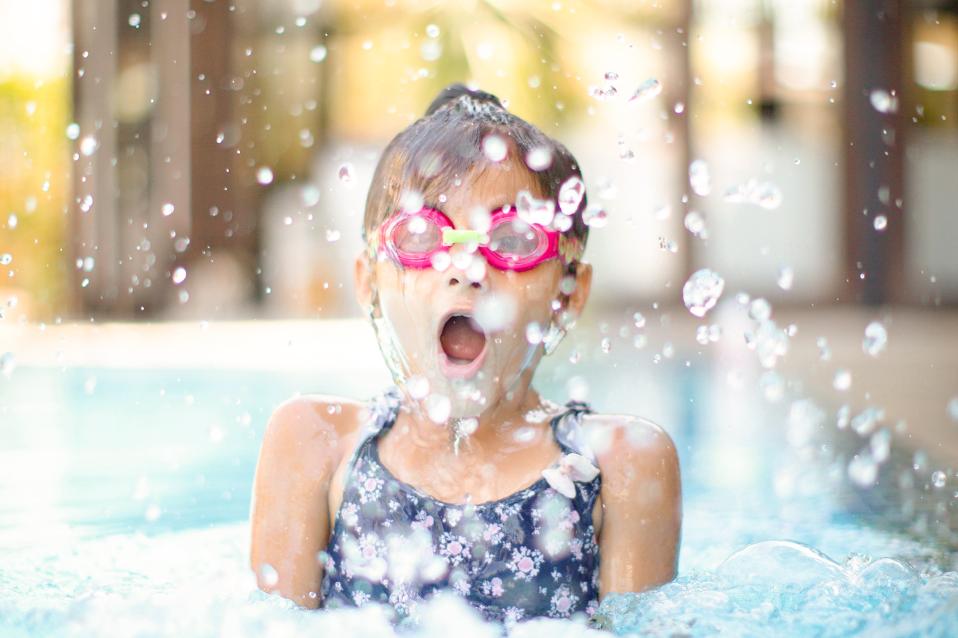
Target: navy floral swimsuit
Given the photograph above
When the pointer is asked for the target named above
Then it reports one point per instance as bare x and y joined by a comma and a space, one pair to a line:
530, 554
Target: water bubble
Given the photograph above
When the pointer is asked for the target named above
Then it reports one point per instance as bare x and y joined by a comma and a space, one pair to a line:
539, 158
699, 177
264, 175
876, 338
287, 220
73, 130
317, 53
88, 264
606, 345
5, 259
865, 421
476, 270
646, 91
418, 386
179, 275
562, 222
695, 224
880, 223
88, 145
345, 173
702, 291
495, 311
880, 445
638, 319
438, 407
432, 30
786, 276
570, 195
167, 209
824, 352
332, 235
595, 216
679, 108
310, 195
494, 147
842, 380
134, 20
12, 221
938, 479
883, 101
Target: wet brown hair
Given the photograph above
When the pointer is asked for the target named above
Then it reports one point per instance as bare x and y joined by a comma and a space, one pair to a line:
443, 148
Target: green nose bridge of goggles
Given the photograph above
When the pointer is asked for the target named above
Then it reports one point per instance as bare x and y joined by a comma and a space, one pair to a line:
452, 236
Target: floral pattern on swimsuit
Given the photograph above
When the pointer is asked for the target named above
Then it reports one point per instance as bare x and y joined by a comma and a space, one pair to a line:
531, 554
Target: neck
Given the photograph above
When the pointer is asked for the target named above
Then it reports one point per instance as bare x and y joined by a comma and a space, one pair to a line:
496, 429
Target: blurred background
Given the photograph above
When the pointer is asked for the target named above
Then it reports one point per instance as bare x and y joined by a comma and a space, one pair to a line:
172, 169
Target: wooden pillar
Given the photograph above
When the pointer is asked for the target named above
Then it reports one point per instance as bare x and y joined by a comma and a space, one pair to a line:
874, 150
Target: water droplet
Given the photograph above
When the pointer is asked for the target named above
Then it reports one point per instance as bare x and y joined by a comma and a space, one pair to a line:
938, 479
264, 175
953, 408
438, 407
153, 512
606, 345
679, 108
570, 195
269, 575
764, 194
317, 53
539, 158
534, 211
12, 221
310, 195
5, 259
332, 235
495, 311
883, 101
494, 147
418, 386
824, 352
73, 130
134, 20
534, 333
220, 137
881, 222
760, 310
595, 216
842, 380
179, 275
695, 224
699, 178
786, 277
432, 30
639, 320
167, 209
346, 176
88, 264
863, 470
646, 91
441, 261
702, 291
88, 145
876, 338
7, 364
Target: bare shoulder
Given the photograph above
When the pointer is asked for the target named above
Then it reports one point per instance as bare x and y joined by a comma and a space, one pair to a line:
630, 451
313, 426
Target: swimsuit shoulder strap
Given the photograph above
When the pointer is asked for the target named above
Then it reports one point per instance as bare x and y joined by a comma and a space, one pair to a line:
383, 409
567, 426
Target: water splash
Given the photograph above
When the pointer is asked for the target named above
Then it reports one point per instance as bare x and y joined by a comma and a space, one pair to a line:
702, 291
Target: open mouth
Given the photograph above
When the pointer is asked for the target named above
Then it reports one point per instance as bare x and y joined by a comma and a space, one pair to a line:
461, 339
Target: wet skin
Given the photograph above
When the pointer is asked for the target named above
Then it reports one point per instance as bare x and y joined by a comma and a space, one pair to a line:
309, 440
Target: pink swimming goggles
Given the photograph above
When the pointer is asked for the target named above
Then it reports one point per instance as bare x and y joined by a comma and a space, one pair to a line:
511, 243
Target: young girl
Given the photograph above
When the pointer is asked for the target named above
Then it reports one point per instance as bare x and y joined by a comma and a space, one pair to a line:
462, 477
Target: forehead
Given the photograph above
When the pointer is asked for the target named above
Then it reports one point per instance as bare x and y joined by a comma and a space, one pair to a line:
486, 185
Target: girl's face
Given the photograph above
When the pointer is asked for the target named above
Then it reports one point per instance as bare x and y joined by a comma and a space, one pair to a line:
460, 367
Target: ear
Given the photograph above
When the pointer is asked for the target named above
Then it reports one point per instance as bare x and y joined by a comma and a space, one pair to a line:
363, 278
583, 284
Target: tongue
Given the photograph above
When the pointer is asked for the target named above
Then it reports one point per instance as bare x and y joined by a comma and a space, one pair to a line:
460, 340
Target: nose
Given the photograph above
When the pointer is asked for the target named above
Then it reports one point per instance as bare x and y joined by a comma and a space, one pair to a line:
459, 273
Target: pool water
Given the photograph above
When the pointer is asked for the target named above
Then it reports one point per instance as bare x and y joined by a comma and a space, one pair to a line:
124, 495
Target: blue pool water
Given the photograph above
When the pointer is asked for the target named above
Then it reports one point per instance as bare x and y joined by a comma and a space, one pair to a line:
124, 496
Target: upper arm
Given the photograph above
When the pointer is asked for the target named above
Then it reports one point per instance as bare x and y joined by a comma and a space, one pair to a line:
642, 506
289, 518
